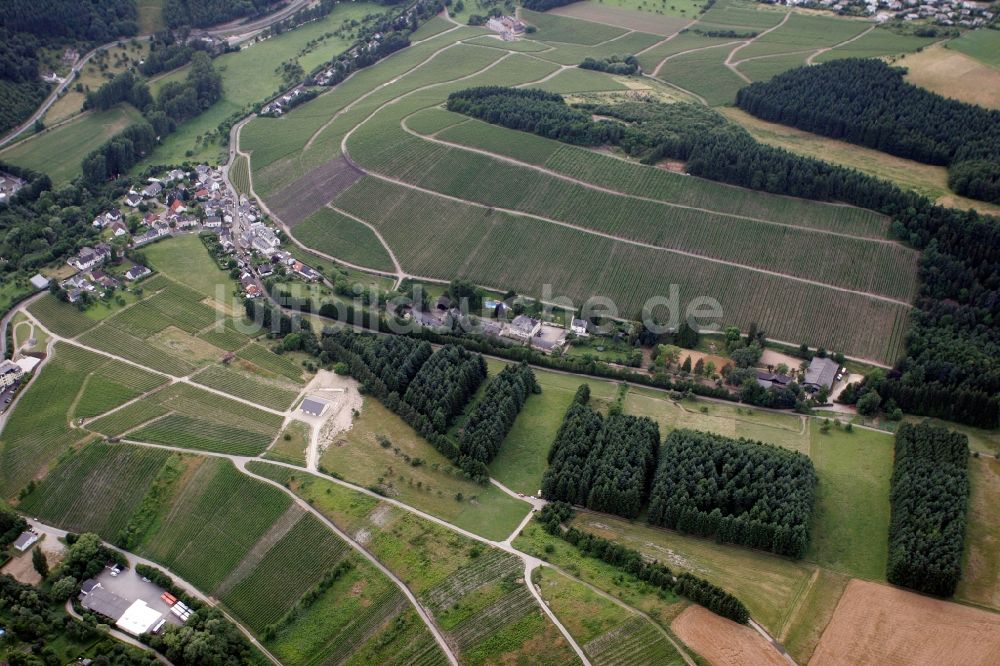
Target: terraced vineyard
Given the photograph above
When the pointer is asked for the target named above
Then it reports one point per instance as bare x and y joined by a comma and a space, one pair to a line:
634, 643
273, 394
199, 415
290, 568
217, 516
60, 318
38, 430
264, 358
96, 489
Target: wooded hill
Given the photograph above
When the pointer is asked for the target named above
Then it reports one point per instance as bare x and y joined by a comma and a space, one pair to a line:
868, 102
929, 498
428, 390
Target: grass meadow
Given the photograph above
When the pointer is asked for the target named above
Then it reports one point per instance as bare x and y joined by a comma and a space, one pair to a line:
58, 151
432, 485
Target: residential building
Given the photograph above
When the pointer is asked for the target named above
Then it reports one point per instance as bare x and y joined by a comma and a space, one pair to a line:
152, 190
579, 327
137, 272
524, 327
27, 539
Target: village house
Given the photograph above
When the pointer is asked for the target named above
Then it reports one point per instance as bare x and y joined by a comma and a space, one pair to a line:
137, 272
305, 272
509, 27
524, 327
89, 257
578, 327
118, 229
133, 200
213, 222
769, 379
10, 372
152, 190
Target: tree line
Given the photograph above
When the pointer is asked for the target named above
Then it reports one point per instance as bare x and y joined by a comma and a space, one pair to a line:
929, 499
438, 389
444, 384
736, 491
56, 21
544, 5
204, 13
952, 364
176, 102
21, 87
602, 463
867, 102
493, 416
700, 591
623, 65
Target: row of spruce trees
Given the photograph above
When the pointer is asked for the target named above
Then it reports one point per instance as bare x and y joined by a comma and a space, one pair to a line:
737, 491
429, 390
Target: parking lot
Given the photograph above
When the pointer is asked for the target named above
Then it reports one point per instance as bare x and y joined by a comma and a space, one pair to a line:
130, 585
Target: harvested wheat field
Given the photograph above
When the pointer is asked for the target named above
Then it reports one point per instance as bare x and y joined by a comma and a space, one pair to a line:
878, 624
723, 642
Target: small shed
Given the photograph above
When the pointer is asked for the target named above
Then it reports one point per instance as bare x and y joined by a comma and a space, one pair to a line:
39, 282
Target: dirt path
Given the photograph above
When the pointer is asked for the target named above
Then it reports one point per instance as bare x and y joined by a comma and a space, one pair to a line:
729, 59
656, 72
392, 255
811, 59
636, 197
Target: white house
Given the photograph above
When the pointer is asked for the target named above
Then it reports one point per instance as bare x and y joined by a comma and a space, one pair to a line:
579, 327
524, 327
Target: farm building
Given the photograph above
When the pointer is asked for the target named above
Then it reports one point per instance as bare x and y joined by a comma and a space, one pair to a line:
139, 618
104, 603
40, 282
313, 406
27, 539
820, 374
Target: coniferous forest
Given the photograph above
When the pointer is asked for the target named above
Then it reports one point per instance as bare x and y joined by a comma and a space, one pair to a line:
737, 491
867, 102
602, 463
952, 365
493, 417
929, 499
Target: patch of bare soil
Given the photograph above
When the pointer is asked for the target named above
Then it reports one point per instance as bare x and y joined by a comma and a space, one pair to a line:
878, 624
308, 194
676, 166
723, 642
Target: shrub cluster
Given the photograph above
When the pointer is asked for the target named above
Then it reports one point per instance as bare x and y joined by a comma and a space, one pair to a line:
929, 498
737, 491
625, 65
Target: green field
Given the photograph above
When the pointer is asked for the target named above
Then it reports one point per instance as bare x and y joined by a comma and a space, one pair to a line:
60, 318
804, 33
252, 75
705, 74
879, 42
983, 45
185, 260
339, 236
59, 150
552, 28
433, 485
290, 447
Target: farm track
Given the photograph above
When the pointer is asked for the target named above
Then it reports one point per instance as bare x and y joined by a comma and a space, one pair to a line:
811, 59
346, 154
607, 190
729, 59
